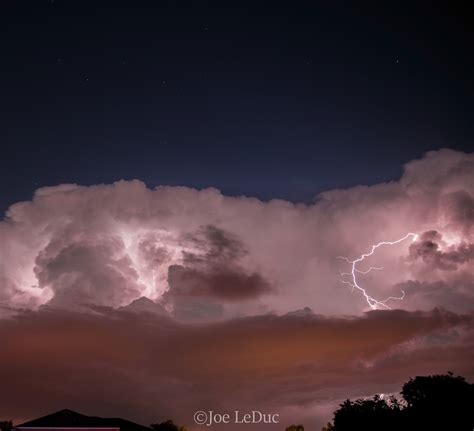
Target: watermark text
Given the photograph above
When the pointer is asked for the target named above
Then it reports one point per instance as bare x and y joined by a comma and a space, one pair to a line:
210, 417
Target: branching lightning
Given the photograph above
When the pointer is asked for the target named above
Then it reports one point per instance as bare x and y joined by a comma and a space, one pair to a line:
352, 281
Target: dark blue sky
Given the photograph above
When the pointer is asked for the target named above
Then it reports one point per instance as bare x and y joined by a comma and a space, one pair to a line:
271, 100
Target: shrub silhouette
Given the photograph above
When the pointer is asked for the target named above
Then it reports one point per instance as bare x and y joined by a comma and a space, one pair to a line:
439, 402
6, 425
168, 425
295, 428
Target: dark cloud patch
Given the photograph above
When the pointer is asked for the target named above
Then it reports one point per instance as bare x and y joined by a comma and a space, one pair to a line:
216, 246
429, 249
212, 276
139, 365
227, 284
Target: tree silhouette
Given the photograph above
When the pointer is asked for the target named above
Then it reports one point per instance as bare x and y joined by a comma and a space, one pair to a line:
295, 428
6, 425
439, 402
168, 425
369, 415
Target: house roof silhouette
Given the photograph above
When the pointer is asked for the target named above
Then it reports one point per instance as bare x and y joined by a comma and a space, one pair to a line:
71, 419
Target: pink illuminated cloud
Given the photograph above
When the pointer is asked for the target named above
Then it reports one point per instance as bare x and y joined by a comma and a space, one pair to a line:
111, 244
169, 300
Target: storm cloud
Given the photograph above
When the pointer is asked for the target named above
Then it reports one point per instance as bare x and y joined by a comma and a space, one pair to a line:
429, 248
169, 300
149, 367
112, 244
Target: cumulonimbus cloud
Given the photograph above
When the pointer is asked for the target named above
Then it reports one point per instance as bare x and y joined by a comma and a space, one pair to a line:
111, 244
169, 300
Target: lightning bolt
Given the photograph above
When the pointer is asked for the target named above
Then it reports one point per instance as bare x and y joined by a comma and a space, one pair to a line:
373, 303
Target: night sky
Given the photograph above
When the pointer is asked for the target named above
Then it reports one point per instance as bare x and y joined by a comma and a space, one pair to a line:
218, 206
272, 101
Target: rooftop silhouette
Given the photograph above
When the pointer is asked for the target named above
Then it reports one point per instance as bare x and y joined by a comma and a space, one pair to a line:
70, 419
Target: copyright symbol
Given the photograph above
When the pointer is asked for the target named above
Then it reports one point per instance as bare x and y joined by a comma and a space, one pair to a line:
200, 417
